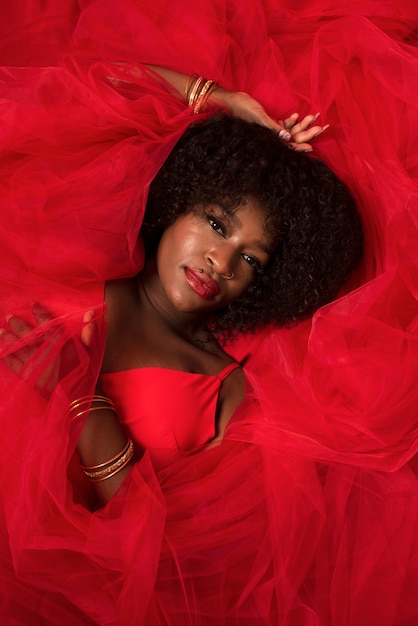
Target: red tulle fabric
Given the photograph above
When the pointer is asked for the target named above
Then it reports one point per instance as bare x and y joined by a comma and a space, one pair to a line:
307, 514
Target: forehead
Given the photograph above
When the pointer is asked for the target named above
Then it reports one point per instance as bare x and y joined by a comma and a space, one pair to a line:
249, 210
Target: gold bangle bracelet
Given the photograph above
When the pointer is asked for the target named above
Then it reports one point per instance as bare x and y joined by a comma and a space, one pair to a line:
112, 466
204, 94
85, 399
200, 81
186, 91
89, 404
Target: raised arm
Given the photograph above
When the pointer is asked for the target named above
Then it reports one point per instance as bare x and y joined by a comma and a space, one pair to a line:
299, 134
240, 104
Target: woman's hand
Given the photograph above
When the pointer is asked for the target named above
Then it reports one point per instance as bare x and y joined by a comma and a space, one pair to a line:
35, 346
38, 346
242, 105
21, 342
302, 133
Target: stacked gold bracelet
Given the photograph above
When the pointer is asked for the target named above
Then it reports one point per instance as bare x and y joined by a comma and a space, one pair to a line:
198, 92
103, 471
87, 404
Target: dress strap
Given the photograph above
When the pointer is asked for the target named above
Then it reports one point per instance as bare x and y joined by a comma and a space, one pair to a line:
227, 370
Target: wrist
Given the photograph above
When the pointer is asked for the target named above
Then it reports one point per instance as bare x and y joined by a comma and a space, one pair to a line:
106, 452
219, 97
197, 92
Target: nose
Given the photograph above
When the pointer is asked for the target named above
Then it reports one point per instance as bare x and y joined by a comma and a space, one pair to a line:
222, 260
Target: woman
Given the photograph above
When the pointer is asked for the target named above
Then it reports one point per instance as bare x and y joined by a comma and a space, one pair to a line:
307, 511
239, 233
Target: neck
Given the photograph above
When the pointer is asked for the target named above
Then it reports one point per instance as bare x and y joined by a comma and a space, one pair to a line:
154, 303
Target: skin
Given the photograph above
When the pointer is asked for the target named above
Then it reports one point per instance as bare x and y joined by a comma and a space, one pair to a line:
217, 246
157, 318
298, 132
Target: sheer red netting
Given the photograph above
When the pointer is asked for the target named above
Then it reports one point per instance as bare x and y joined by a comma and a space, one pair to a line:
307, 514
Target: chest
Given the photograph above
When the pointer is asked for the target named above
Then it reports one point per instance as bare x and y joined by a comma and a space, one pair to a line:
166, 410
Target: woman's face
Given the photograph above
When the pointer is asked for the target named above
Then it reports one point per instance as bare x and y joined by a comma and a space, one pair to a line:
207, 259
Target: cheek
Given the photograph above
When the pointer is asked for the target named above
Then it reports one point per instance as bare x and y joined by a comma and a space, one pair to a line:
178, 249
240, 289
168, 248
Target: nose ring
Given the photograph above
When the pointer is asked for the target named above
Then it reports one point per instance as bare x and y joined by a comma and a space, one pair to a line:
228, 276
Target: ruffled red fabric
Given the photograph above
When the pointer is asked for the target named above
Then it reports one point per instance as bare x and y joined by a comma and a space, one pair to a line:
306, 515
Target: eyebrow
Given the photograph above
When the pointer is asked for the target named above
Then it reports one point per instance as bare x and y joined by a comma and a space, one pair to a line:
261, 245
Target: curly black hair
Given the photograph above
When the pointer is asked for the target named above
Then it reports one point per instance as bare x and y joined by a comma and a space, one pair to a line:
310, 213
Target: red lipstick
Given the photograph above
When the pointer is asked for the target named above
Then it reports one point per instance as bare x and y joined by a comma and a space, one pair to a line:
201, 283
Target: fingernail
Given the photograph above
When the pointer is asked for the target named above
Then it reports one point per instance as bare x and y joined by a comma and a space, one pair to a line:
285, 135
308, 150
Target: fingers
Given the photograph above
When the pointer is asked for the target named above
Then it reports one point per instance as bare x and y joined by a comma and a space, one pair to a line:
308, 135
304, 124
89, 330
299, 133
289, 122
15, 358
284, 134
14, 363
11, 360
296, 127
18, 326
19, 352
301, 147
303, 132
41, 314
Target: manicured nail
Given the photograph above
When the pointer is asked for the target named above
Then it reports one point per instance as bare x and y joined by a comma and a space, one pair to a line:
285, 135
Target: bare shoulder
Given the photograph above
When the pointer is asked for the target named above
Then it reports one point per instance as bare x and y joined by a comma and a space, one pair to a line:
117, 293
119, 305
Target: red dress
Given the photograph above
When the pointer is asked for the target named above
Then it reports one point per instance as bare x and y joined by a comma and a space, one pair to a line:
308, 511
166, 411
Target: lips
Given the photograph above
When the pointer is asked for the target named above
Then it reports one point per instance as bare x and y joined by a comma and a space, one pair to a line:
201, 283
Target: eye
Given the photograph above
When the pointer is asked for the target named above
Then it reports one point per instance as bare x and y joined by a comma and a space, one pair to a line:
216, 225
252, 261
